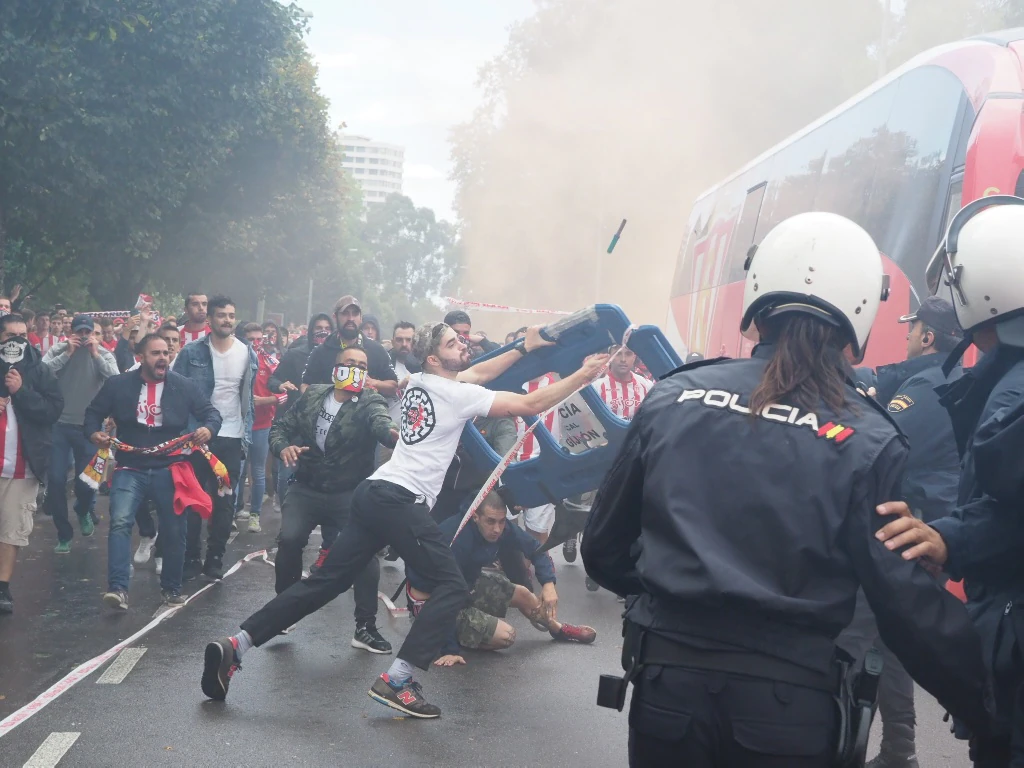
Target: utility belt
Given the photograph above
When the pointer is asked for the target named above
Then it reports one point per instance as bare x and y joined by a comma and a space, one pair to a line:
855, 694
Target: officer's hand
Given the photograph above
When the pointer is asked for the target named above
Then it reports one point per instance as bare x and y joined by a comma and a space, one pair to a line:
908, 531
449, 661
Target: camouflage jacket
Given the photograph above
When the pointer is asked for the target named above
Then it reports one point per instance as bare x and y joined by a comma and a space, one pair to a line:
351, 442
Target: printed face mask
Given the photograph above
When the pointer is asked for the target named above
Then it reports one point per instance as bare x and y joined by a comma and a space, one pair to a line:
348, 378
320, 336
257, 344
13, 350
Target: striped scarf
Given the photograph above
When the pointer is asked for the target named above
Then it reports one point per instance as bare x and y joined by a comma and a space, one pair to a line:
92, 475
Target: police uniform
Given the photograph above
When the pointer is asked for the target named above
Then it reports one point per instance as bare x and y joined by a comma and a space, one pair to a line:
985, 535
757, 531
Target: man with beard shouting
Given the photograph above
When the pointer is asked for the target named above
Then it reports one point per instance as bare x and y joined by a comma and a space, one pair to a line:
348, 317
150, 405
393, 507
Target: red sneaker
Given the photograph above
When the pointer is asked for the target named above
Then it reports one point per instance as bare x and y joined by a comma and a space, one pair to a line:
575, 633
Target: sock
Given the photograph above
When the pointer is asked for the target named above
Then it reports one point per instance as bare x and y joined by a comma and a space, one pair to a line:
400, 673
242, 643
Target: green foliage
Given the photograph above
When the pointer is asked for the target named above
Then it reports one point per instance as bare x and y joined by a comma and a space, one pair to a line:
151, 145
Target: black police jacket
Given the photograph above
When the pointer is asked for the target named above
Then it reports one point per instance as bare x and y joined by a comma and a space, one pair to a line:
985, 535
932, 474
758, 529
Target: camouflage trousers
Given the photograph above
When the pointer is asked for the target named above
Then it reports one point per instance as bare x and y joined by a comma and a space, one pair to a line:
475, 625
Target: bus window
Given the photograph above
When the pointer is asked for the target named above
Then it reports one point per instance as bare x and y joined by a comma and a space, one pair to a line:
743, 237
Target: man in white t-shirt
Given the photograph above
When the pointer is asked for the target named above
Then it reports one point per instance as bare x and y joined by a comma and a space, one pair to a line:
393, 507
224, 368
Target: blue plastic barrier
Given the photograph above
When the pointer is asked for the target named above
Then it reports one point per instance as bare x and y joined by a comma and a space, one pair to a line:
556, 474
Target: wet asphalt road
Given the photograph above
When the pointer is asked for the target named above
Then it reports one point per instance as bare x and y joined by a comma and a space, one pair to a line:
301, 699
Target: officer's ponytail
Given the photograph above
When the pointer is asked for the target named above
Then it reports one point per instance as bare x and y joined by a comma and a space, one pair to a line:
808, 366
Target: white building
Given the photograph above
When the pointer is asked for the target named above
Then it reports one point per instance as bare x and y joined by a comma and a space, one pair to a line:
375, 165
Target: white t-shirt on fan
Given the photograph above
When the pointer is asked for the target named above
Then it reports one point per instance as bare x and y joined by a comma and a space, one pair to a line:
395, 403
228, 372
328, 410
433, 412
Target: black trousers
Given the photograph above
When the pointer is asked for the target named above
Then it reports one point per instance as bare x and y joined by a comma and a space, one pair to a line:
382, 513
229, 451
697, 719
895, 687
303, 510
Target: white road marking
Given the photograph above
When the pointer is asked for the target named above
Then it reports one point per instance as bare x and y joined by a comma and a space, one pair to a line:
52, 750
232, 536
121, 666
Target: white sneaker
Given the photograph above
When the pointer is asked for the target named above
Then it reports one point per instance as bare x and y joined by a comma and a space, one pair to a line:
243, 515
142, 554
254, 524
159, 562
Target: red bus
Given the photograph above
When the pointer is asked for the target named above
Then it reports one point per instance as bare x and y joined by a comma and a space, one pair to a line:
899, 158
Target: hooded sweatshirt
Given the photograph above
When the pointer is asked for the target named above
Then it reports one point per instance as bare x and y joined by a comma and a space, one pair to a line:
293, 363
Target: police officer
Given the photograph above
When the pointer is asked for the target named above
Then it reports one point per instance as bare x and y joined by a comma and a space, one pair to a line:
754, 485
979, 266
929, 488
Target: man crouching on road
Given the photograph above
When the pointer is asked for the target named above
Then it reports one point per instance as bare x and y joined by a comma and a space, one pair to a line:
481, 625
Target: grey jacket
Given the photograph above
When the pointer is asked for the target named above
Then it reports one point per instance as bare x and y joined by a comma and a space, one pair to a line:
80, 376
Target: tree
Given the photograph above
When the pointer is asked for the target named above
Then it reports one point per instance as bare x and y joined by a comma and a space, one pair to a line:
192, 132
408, 257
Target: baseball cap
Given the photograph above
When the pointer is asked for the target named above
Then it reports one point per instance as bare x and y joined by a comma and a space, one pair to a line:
345, 302
936, 313
82, 321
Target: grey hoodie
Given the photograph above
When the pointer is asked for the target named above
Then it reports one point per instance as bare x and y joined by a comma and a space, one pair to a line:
80, 376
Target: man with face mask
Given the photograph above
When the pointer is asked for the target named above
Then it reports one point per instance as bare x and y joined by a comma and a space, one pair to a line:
30, 402
81, 365
348, 317
328, 437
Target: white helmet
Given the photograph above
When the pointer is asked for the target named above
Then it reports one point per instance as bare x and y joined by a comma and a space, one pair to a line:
818, 263
981, 265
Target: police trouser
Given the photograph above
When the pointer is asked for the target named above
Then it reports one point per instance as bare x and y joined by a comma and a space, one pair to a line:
895, 688
704, 719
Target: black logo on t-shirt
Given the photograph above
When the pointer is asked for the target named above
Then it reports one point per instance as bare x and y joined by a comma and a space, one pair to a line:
418, 417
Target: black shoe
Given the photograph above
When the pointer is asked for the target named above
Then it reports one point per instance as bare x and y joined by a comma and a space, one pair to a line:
408, 698
392, 555
172, 597
7, 605
191, 569
569, 550
116, 599
592, 585
214, 569
219, 665
369, 639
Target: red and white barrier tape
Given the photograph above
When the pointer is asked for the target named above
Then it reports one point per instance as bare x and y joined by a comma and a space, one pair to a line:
506, 460
82, 671
481, 306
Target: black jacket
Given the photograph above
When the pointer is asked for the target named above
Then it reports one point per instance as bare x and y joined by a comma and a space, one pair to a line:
293, 363
933, 468
756, 531
119, 397
320, 364
37, 406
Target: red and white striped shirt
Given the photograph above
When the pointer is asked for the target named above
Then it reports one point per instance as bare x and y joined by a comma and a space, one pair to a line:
531, 446
12, 458
42, 343
149, 411
623, 399
187, 335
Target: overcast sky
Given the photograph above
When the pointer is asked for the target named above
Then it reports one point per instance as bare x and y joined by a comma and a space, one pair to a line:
405, 72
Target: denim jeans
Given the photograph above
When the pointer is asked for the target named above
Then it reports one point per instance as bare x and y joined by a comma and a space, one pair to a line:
128, 490
68, 440
256, 460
